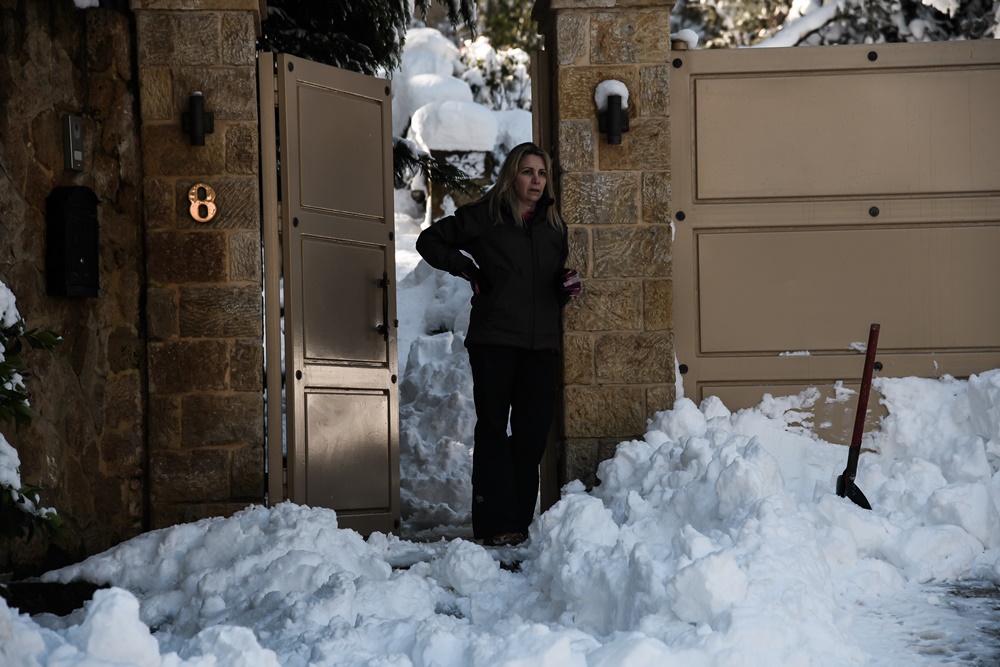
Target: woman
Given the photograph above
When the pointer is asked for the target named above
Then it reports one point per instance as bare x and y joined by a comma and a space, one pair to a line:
518, 246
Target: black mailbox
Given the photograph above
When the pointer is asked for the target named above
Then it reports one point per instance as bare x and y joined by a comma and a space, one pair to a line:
71, 249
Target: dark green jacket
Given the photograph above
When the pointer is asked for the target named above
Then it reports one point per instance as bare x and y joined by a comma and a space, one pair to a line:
520, 298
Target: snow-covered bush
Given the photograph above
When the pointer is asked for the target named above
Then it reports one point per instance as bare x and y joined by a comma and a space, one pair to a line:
499, 79
20, 513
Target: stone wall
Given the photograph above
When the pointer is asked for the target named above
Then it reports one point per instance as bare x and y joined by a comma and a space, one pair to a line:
618, 357
87, 445
151, 410
203, 288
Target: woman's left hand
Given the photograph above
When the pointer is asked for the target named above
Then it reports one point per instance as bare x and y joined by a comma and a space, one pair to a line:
569, 282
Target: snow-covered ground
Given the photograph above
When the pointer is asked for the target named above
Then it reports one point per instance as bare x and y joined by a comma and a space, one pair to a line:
716, 540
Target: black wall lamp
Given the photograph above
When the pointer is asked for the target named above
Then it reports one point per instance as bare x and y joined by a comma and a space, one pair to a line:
612, 109
196, 121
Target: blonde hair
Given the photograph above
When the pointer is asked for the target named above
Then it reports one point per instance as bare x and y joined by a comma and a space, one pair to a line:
502, 193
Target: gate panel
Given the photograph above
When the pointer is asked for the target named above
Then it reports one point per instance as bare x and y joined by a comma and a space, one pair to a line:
797, 289
860, 133
818, 190
342, 301
342, 471
338, 255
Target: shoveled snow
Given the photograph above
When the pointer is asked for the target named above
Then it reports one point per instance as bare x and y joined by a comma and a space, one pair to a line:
717, 539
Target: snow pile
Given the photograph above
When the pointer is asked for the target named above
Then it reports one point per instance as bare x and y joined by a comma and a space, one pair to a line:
610, 87
716, 537
688, 36
453, 126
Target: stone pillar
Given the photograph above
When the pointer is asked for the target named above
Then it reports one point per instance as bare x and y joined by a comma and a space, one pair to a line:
203, 288
618, 355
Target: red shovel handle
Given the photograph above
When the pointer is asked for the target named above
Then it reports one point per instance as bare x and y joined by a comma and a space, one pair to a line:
859, 419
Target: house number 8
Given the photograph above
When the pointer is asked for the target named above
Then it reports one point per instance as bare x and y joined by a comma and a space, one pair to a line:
202, 202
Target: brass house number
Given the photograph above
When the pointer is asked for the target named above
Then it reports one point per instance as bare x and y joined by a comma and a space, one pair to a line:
202, 198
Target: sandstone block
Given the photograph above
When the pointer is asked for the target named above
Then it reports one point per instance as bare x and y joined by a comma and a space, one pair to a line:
642, 251
186, 476
606, 449
156, 94
178, 38
579, 251
214, 420
168, 152
198, 511
578, 359
239, 36
572, 38
162, 321
122, 454
164, 515
656, 197
605, 305
183, 366
164, 422
654, 91
245, 257
248, 472
630, 36
241, 148
601, 198
123, 401
220, 312
186, 257
576, 145
642, 358
580, 461
658, 305
158, 199
645, 147
230, 92
604, 412
659, 399
246, 366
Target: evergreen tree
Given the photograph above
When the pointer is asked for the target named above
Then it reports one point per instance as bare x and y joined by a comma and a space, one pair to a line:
364, 36
360, 35
509, 24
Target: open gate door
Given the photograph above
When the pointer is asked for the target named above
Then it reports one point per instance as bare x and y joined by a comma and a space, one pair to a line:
338, 256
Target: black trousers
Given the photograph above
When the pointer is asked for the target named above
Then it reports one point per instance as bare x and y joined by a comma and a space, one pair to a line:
522, 384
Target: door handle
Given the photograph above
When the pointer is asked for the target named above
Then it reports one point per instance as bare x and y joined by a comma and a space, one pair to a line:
383, 328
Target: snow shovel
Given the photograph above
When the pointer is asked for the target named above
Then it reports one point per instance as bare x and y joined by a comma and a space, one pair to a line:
845, 483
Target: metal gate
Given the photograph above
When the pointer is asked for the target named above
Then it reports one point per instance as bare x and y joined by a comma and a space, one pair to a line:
333, 222
819, 189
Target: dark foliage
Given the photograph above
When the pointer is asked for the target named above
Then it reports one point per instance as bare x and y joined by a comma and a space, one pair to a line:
364, 36
361, 35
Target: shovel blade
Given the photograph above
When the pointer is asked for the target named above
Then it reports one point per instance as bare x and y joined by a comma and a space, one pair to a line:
847, 487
